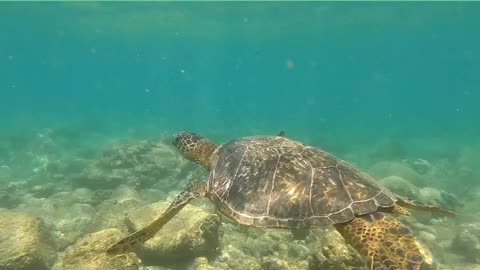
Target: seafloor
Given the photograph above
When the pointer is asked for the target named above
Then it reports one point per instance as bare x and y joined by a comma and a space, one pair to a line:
67, 195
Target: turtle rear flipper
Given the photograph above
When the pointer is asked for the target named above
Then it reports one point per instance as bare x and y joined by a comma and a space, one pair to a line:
385, 243
407, 203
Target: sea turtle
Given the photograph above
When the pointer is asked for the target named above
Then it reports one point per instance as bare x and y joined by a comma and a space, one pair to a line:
277, 182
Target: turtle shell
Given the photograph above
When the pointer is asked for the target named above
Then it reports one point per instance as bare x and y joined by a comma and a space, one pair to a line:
271, 181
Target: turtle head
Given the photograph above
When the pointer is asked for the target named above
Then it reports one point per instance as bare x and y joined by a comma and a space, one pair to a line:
195, 148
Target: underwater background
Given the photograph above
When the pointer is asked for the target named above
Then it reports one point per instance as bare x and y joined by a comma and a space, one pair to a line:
92, 92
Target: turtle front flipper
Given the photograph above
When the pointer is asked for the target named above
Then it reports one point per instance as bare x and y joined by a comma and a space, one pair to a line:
197, 190
385, 243
407, 203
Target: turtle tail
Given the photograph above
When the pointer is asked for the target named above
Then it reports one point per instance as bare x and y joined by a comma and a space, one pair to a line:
385, 243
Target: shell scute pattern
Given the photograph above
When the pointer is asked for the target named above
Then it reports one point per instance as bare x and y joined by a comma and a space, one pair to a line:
277, 182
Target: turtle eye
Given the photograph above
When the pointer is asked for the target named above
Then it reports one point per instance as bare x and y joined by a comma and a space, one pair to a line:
176, 139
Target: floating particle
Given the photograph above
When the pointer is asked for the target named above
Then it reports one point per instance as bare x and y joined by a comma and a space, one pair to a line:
290, 64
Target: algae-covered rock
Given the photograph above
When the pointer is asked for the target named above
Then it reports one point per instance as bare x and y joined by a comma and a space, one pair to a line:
78, 195
112, 212
201, 263
388, 168
277, 263
274, 263
467, 242
11, 193
232, 258
142, 163
433, 196
43, 191
8, 200
24, 242
400, 186
156, 267
332, 253
66, 219
191, 233
89, 254
421, 166
256, 248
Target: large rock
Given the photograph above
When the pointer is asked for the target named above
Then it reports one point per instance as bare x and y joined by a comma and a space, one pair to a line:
89, 254
332, 253
138, 164
24, 242
191, 233
400, 186
66, 216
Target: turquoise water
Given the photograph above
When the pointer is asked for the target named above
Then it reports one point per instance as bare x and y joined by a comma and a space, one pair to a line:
370, 82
